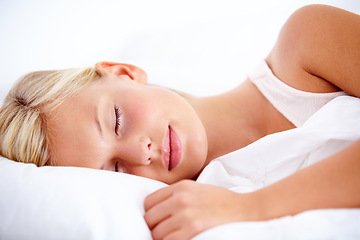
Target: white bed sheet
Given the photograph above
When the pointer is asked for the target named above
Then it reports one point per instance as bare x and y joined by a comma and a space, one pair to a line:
317, 225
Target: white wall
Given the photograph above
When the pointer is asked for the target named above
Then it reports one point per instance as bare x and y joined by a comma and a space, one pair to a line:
200, 46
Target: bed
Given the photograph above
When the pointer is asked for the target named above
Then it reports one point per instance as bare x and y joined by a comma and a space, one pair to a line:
78, 203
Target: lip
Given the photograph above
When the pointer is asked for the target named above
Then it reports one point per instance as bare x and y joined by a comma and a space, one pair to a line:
172, 149
166, 149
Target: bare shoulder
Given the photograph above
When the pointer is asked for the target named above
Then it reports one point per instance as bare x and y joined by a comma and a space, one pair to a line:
318, 50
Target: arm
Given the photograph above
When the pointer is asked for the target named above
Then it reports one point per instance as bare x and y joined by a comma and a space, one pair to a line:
318, 50
331, 183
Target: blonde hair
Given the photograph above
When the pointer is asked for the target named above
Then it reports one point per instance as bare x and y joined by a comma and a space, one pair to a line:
23, 129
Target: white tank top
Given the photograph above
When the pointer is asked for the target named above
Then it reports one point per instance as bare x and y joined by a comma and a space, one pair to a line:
297, 106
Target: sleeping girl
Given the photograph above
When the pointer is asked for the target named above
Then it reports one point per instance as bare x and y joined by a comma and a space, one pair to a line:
107, 117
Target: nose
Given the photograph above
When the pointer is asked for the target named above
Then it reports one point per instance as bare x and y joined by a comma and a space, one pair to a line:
134, 152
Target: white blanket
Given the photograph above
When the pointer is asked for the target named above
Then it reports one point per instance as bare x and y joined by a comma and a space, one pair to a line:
276, 156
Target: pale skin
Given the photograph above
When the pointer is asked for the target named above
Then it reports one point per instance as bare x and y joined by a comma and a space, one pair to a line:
318, 50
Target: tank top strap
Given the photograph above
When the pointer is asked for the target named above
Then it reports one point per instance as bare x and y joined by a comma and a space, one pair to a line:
296, 105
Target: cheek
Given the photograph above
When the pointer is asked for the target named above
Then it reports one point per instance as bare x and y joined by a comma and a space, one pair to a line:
144, 105
140, 110
139, 115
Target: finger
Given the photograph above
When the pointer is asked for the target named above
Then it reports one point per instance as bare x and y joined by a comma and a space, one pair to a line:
166, 192
157, 197
157, 214
180, 234
175, 228
165, 228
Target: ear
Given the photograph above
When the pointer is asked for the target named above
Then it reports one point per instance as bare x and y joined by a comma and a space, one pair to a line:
119, 69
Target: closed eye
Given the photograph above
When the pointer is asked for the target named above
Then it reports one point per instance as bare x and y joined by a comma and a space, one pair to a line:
116, 167
117, 119
119, 167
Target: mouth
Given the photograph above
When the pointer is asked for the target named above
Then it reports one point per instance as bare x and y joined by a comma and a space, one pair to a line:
172, 149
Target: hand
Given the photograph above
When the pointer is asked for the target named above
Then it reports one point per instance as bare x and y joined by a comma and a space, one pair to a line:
187, 208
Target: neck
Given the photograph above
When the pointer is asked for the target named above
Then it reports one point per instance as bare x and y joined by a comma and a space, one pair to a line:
236, 118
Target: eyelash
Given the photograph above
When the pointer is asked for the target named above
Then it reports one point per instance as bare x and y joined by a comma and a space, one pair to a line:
118, 119
116, 167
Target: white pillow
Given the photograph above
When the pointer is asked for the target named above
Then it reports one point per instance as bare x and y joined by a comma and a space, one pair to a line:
71, 203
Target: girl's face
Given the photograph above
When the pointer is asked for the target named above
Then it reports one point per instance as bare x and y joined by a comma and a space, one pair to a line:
121, 124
